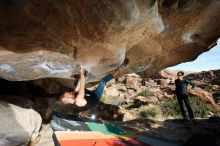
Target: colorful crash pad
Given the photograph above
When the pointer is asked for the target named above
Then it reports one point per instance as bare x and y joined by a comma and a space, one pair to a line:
73, 131
106, 128
76, 138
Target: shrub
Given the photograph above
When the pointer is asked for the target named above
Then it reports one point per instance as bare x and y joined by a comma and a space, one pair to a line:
114, 100
149, 112
146, 93
105, 100
170, 108
200, 108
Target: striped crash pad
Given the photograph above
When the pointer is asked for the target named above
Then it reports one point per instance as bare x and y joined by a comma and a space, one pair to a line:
99, 135
91, 138
77, 132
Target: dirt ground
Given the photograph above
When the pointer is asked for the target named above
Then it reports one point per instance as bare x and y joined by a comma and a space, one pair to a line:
173, 130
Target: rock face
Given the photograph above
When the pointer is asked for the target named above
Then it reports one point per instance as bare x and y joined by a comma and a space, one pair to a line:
55, 37
205, 79
162, 87
19, 126
206, 96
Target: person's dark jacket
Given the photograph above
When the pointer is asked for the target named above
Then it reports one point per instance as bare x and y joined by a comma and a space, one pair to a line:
181, 86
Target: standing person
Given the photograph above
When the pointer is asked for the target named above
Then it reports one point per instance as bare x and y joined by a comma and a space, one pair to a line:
182, 95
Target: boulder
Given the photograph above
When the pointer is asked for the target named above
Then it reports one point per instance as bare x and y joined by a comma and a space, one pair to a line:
20, 101
165, 74
133, 82
216, 81
19, 126
111, 91
54, 38
206, 78
151, 83
204, 95
215, 87
129, 115
121, 79
164, 82
105, 111
141, 100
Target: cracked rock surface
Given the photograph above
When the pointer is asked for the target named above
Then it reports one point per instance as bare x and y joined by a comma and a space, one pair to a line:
54, 38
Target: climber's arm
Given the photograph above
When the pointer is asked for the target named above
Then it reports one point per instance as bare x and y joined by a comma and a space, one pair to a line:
80, 100
77, 86
191, 83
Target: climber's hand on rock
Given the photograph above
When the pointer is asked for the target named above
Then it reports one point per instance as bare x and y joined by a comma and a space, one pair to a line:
82, 70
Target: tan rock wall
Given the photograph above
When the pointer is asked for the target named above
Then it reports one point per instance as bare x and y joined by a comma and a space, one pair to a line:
54, 38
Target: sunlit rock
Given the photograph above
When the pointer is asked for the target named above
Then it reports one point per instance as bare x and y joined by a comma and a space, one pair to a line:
55, 37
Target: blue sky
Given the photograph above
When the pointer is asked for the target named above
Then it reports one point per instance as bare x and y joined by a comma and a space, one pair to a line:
206, 61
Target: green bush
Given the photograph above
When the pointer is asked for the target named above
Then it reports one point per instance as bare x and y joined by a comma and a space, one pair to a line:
149, 112
170, 108
146, 93
105, 100
114, 100
200, 108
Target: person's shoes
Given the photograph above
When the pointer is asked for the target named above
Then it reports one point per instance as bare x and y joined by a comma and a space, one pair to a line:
185, 119
192, 122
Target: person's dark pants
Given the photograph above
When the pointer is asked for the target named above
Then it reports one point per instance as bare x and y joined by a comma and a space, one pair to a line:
185, 99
